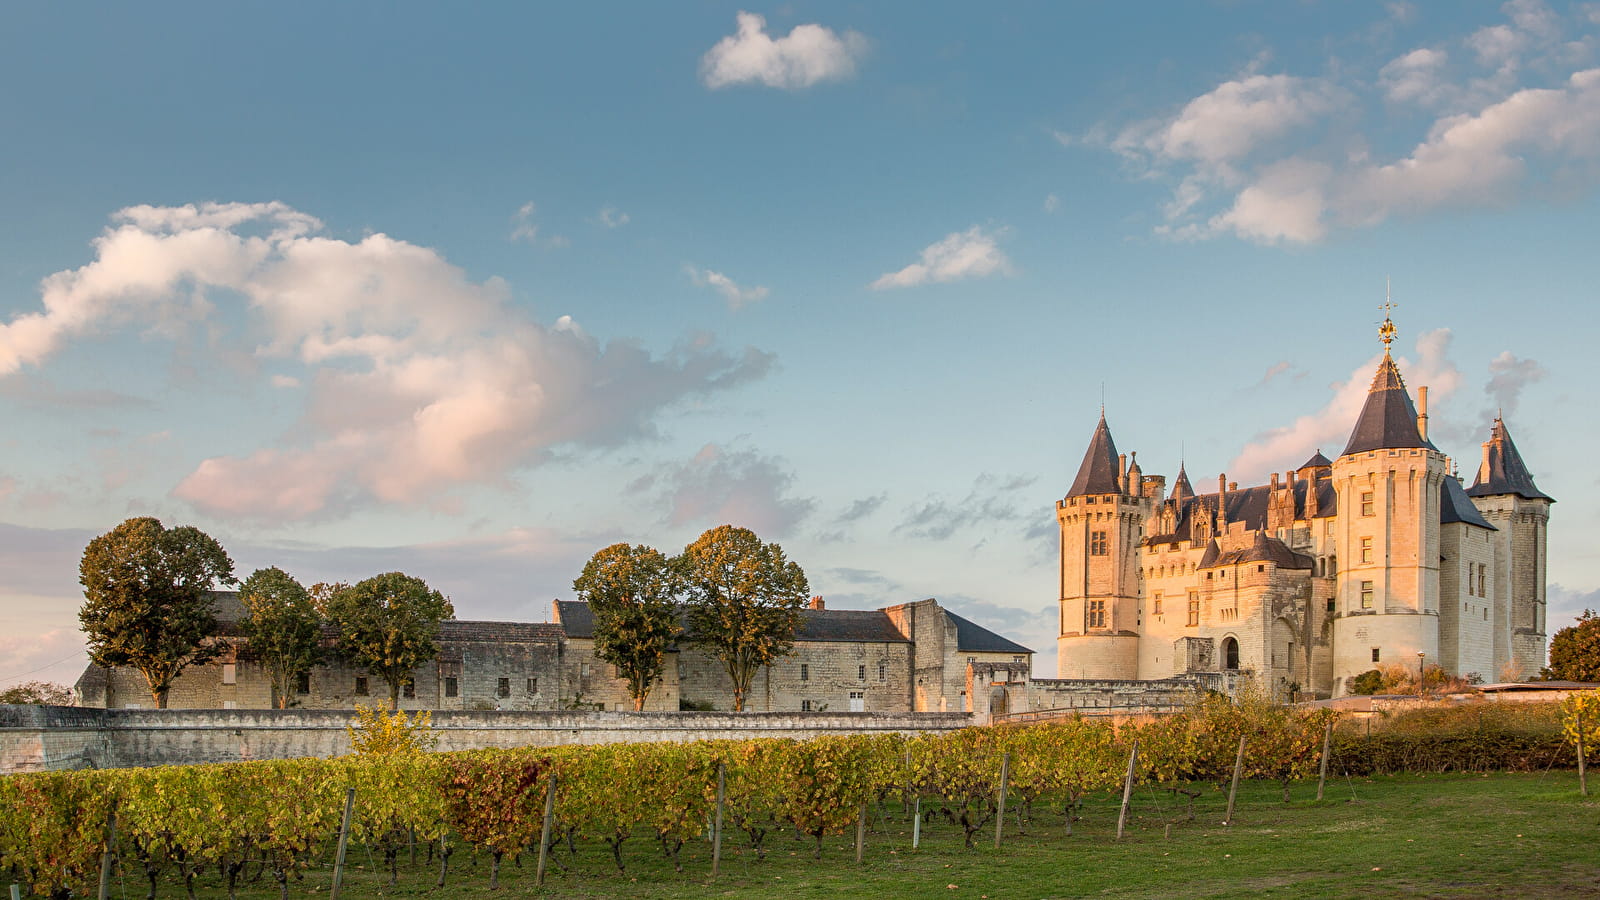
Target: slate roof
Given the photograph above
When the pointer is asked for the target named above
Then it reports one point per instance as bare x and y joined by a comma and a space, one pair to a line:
1317, 461
1181, 488
1262, 549
1503, 471
1098, 472
1248, 505
459, 630
1388, 420
1455, 506
975, 638
847, 625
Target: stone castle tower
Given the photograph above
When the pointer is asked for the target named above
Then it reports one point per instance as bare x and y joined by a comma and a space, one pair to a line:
1378, 557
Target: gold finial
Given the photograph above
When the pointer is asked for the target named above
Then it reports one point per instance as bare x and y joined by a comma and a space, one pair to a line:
1386, 331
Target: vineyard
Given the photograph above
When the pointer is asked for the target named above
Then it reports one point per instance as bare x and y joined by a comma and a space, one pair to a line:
217, 827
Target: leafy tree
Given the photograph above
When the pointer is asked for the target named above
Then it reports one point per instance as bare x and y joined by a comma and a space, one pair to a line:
282, 626
389, 625
376, 733
146, 601
632, 592
744, 601
1575, 651
43, 693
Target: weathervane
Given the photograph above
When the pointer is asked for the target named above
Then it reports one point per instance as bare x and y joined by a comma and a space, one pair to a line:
1386, 330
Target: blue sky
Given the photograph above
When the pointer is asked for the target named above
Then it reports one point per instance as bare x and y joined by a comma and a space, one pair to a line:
474, 292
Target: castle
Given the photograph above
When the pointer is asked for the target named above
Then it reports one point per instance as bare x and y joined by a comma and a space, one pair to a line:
1378, 557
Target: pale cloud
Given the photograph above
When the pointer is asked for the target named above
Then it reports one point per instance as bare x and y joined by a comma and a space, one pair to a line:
1051, 203
738, 297
992, 501
524, 229
611, 217
1328, 429
1416, 77
1234, 119
973, 253
807, 55
719, 485
418, 379
284, 381
1508, 376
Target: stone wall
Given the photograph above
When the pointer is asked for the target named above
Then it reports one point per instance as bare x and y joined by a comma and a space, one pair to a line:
35, 738
1122, 695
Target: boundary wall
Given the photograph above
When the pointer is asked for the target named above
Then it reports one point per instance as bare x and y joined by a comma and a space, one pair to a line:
41, 738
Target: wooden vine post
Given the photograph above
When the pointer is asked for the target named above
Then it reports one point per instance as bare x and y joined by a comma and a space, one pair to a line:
716, 827
344, 842
916, 825
861, 831
544, 829
1000, 814
1233, 790
1127, 789
109, 854
1327, 741
1583, 771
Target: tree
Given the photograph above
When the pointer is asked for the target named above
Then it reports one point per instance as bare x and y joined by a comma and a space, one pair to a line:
389, 625
744, 601
1575, 651
282, 626
633, 593
42, 693
146, 599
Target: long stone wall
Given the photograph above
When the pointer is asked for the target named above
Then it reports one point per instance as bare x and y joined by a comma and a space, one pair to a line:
38, 738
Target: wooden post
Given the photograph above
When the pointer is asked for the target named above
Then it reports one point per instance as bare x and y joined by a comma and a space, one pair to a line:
1127, 789
716, 827
1238, 765
916, 825
1327, 741
544, 830
861, 832
344, 841
16, 892
1000, 814
109, 854
1583, 774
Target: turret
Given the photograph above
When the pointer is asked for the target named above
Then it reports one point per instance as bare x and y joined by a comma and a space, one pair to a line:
1505, 494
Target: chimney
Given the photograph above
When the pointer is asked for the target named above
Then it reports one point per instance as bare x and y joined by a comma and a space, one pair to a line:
1274, 483
1122, 472
1233, 485
816, 603
1422, 411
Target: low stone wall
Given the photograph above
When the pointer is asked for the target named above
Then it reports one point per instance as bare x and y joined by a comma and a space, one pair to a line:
37, 738
1113, 696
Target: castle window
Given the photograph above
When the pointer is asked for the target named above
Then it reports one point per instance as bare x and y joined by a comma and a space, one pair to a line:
1366, 549
230, 673
1261, 568
302, 683
1486, 613
1156, 604
409, 690
1483, 589
361, 686
1098, 545
861, 673
1366, 503
1366, 595
502, 687
883, 672
805, 706
533, 686
452, 687
1097, 614
1375, 654
1194, 607
805, 672
1330, 604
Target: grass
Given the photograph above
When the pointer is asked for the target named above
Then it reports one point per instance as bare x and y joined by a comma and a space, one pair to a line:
1459, 835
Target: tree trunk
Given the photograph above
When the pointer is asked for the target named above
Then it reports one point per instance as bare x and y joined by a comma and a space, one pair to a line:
738, 700
394, 696
638, 703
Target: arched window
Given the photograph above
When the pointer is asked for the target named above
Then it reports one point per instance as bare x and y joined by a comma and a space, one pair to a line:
1230, 654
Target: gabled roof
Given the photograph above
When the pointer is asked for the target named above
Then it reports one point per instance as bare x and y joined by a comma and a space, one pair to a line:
978, 639
861, 625
1455, 506
1388, 420
1317, 461
1098, 473
1502, 470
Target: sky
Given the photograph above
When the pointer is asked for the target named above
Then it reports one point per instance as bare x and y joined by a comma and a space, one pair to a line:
472, 291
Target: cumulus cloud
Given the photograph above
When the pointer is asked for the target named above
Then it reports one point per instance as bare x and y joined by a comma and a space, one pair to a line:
418, 379
1416, 77
737, 297
1234, 119
719, 485
807, 55
1328, 428
973, 253
1508, 375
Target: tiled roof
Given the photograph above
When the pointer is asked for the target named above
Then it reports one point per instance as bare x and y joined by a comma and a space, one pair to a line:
1503, 471
1388, 420
1455, 506
871, 625
497, 632
1317, 461
1098, 473
977, 639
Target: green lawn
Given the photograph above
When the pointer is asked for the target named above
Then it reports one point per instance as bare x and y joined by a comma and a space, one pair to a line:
1400, 836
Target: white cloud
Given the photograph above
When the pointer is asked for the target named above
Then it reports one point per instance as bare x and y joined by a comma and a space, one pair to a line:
611, 217
807, 55
526, 230
418, 378
285, 381
1508, 376
720, 486
1051, 203
1236, 118
973, 253
1416, 77
737, 297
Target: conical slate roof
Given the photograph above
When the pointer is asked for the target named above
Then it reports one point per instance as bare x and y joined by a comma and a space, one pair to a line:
1388, 421
1503, 471
1454, 506
1317, 461
1181, 488
1098, 473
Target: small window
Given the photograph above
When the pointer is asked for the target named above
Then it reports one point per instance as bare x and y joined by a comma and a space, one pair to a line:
302, 683
861, 673
1097, 614
1155, 603
1366, 503
1261, 568
230, 704
361, 686
1483, 576
583, 670
1330, 604
1486, 613
230, 673
805, 672
805, 706
1375, 654
502, 688
1194, 608
409, 690
883, 672
533, 686
1366, 595
452, 688
1366, 549
1098, 545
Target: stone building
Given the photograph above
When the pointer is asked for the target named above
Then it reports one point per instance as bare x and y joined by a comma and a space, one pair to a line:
1379, 556
914, 657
